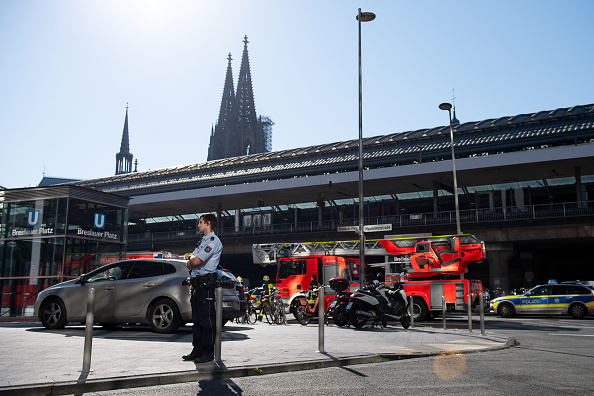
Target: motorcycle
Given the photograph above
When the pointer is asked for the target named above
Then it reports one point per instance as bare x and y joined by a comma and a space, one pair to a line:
337, 308
378, 303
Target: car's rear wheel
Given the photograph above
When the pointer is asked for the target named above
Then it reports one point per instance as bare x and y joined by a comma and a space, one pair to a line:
506, 310
53, 314
164, 316
577, 311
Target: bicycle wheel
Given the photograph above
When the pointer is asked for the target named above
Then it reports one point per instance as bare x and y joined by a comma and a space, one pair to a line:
302, 314
281, 318
268, 314
251, 315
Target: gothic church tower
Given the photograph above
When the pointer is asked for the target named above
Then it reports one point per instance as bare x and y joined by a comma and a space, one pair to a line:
239, 131
124, 157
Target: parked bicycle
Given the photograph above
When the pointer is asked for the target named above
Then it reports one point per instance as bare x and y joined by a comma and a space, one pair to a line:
250, 315
306, 307
273, 309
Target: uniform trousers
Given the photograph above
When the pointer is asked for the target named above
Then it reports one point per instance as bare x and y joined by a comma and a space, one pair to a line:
204, 319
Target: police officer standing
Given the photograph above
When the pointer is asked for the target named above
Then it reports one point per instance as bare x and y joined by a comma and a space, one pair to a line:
204, 279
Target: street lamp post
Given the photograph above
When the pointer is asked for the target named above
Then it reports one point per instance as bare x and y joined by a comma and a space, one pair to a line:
448, 107
361, 17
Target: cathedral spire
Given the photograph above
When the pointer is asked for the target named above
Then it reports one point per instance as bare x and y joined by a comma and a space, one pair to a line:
124, 157
228, 96
220, 136
245, 94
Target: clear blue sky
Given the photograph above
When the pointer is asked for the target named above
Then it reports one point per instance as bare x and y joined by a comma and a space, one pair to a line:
68, 68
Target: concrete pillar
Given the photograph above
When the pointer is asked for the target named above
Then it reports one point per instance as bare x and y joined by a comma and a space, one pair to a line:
320, 209
237, 217
504, 203
435, 193
580, 189
499, 255
219, 212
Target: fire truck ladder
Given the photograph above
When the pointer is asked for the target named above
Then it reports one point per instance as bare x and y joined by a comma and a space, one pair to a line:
268, 253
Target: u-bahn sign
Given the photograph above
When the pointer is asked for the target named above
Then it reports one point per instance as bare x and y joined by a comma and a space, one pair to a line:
367, 228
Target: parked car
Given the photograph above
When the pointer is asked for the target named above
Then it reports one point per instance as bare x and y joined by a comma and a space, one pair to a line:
256, 296
240, 290
564, 299
145, 291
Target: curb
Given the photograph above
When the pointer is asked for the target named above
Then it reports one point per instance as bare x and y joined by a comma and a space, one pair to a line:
219, 372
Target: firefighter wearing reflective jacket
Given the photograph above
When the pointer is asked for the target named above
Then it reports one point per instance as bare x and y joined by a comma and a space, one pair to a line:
313, 290
267, 287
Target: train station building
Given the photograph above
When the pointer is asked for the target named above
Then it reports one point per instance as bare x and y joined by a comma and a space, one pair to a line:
52, 234
525, 187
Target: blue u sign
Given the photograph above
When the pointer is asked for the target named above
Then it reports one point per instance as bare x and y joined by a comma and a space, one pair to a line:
33, 218
99, 221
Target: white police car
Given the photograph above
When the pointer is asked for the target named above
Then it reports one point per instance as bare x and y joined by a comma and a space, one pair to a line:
563, 299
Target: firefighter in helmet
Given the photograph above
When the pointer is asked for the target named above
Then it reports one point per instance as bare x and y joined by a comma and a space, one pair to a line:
267, 287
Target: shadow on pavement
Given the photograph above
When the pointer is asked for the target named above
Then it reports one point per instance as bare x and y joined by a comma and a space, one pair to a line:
142, 333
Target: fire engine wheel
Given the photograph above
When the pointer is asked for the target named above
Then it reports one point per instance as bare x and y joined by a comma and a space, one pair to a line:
577, 311
53, 314
302, 315
420, 311
355, 321
340, 317
506, 310
294, 305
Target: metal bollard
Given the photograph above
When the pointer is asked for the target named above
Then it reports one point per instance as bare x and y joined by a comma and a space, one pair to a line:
469, 303
482, 308
443, 311
321, 320
219, 323
411, 310
89, 321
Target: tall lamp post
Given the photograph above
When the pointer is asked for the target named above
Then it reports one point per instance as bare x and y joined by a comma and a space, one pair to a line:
448, 107
361, 17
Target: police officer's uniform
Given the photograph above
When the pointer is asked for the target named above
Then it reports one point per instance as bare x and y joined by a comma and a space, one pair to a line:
204, 280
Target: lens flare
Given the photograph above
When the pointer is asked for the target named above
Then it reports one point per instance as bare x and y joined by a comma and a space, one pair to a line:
450, 366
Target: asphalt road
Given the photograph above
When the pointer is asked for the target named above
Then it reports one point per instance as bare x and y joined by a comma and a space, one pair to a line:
555, 356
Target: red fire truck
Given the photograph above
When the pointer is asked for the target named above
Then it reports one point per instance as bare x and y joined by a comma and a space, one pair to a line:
433, 268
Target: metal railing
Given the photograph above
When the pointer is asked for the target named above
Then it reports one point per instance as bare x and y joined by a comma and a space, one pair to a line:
528, 212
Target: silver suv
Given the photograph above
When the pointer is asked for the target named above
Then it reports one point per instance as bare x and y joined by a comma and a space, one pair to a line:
144, 291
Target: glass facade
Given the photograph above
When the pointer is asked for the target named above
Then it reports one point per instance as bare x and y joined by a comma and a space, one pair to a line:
52, 234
